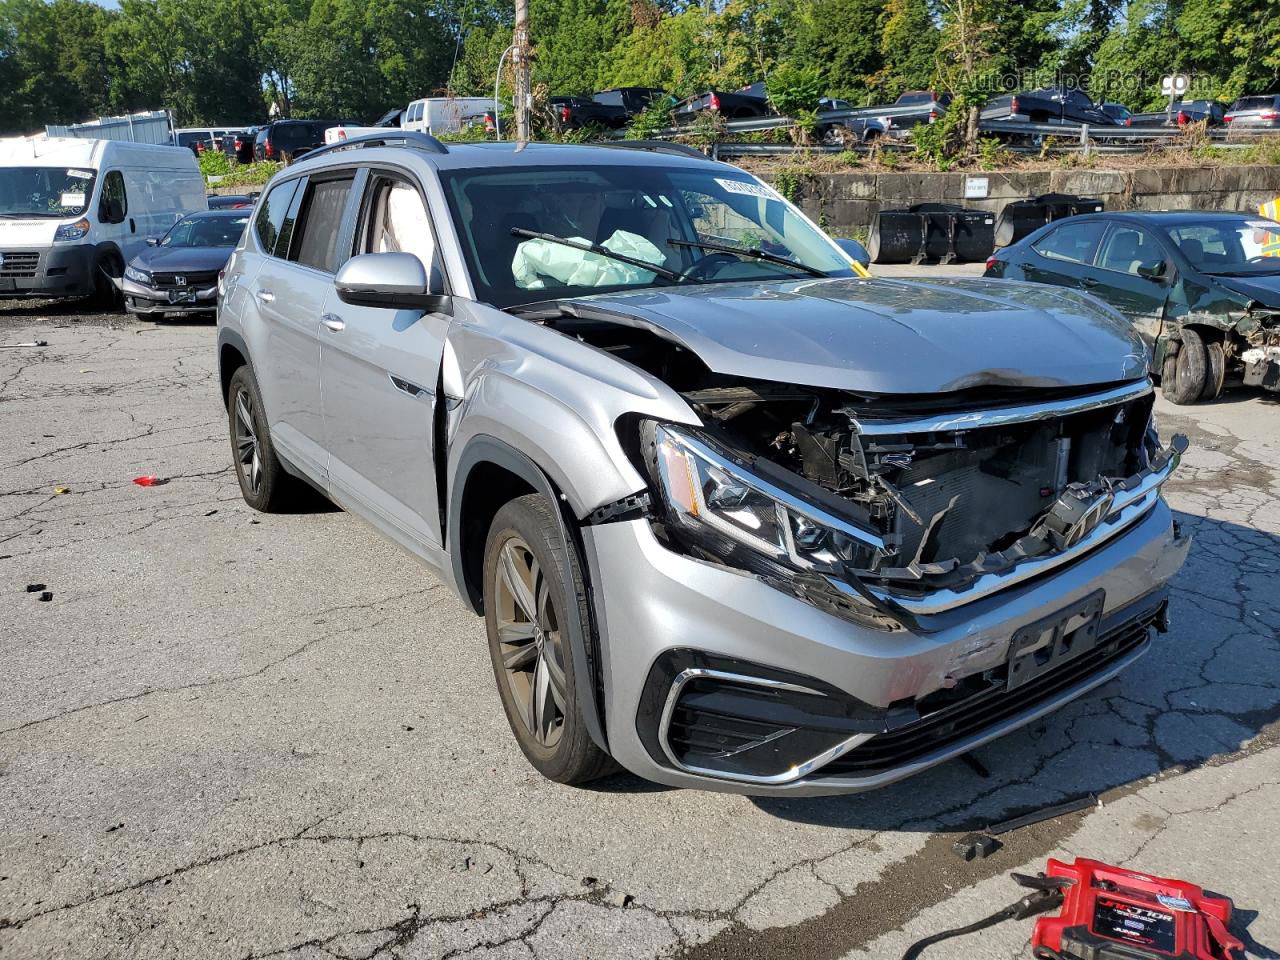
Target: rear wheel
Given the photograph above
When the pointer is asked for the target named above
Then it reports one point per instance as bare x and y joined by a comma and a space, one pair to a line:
532, 589
1215, 369
1184, 375
264, 483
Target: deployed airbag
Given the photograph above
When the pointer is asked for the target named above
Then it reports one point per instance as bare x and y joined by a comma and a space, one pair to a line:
538, 261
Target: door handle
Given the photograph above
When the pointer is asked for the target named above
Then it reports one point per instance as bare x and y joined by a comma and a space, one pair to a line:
266, 296
332, 323
132, 226
1089, 282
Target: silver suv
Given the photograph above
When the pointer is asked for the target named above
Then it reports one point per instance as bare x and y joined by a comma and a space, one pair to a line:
736, 516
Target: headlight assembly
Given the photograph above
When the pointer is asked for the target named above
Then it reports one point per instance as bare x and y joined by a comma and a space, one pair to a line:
138, 276
720, 503
71, 231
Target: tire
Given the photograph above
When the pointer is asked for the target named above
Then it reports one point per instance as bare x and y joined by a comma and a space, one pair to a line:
1183, 376
1216, 369
265, 485
532, 583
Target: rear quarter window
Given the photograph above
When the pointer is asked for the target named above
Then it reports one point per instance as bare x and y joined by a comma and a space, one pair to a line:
271, 214
320, 222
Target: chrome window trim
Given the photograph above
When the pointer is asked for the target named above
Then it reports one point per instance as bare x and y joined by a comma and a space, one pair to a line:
1128, 507
999, 416
787, 776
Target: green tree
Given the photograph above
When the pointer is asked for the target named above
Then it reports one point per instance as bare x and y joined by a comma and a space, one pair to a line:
909, 45
842, 39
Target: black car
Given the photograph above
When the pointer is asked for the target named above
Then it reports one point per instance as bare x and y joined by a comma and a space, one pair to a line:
285, 140
1118, 112
1049, 105
178, 272
231, 201
1201, 287
751, 101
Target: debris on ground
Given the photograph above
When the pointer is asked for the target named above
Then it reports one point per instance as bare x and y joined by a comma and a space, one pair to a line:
32, 343
150, 480
36, 587
46, 596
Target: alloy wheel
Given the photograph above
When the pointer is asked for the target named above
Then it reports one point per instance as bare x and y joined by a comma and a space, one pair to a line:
248, 451
531, 642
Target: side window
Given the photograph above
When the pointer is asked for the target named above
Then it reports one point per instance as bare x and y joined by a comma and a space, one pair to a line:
1073, 242
271, 214
113, 207
397, 221
1205, 244
319, 222
1127, 249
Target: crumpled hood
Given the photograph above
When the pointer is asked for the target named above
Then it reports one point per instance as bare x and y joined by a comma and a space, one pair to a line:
1264, 289
178, 259
894, 336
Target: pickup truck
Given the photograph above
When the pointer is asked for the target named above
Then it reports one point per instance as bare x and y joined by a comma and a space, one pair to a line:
929, 107
1182, 113
734, 517
574, 113
752, 101
1050, 105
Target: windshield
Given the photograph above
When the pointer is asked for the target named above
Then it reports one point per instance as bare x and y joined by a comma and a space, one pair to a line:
205, 232
1249, 245
1254, 103
633, 211
44, 191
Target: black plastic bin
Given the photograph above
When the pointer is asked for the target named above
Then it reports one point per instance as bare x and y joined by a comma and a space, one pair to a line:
931, 233
1022, 217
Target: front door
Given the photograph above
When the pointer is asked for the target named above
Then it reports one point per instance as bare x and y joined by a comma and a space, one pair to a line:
379, 374
1127, 253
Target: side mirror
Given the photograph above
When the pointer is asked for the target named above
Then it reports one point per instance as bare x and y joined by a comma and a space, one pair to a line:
1155, 272
397, 281
153, 241
854, 250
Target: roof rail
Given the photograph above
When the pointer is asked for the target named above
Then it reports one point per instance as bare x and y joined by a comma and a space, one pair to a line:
401, 138
657, 146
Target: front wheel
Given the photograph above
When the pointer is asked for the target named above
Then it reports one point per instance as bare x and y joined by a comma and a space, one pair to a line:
1184, 374
533, 591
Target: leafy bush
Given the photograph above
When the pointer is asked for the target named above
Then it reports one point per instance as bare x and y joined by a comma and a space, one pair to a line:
991, 153
646, 124
214, 163
794, 90
251, 174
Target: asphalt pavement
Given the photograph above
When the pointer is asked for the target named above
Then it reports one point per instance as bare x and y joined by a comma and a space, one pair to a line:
232, 735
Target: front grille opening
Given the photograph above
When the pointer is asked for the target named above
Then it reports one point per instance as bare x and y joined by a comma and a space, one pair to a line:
19, 264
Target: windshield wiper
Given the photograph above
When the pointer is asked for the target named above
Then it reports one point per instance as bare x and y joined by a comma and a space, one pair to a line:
663, 272
752, 253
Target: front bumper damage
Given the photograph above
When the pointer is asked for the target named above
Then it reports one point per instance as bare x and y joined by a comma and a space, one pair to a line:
724, 678
146, 300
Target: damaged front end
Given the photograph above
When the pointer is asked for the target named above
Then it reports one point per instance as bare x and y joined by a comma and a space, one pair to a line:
887, 510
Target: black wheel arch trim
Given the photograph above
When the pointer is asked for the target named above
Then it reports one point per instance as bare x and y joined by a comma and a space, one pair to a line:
483, 449
230, 338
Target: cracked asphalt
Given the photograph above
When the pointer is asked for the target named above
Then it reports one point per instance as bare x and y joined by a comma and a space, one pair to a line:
230, 735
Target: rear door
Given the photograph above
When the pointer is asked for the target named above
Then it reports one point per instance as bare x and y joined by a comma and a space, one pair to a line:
380, 369
1126, 251
290, 291
1064, 254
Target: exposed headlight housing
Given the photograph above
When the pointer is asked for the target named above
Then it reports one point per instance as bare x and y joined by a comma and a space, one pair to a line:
71, 231
718, 502
137, 276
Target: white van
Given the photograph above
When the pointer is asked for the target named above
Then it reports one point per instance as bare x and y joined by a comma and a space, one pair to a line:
438, 115
74, 212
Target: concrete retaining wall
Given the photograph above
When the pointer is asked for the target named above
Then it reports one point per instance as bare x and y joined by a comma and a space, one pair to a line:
846, 202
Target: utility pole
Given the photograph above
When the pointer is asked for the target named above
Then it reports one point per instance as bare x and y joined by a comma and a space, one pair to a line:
520, 61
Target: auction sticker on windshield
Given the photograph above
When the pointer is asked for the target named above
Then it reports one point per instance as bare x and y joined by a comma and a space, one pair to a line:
81, 174
748, 189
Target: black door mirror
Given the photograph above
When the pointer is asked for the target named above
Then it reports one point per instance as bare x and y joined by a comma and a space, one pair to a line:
854, 250
397, 281
1154, 272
